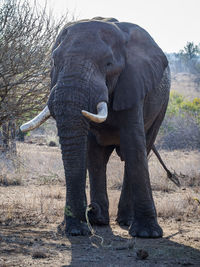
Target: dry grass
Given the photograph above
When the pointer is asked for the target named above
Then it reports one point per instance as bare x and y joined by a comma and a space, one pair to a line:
10, 172
31, 205
184, 163
7, 180
40, 196
115, 172
40, 164
179, 205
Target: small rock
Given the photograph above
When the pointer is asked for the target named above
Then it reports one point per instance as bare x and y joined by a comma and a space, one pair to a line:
52, 143
39, 254
142, 254
41, 144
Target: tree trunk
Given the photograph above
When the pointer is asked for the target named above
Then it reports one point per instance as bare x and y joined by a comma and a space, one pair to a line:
7, 137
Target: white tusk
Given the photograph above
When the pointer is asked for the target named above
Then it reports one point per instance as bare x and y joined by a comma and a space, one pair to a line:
102, 113
37, 121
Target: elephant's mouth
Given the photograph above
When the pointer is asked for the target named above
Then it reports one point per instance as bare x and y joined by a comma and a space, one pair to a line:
101, 116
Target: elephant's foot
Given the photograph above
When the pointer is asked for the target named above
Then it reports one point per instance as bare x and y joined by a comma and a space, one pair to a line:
98, 216
124, 218
124, 221
74, 227
145, 227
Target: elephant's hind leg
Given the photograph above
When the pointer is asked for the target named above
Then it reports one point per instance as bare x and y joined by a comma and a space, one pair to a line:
98, 157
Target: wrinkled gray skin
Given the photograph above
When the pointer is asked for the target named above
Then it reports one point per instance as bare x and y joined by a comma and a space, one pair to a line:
104, 60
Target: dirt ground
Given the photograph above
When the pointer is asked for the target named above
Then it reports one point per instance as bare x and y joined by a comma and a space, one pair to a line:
31, 211
42, 246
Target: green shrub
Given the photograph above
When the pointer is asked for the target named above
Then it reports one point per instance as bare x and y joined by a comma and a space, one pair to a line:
181, 126
179, 106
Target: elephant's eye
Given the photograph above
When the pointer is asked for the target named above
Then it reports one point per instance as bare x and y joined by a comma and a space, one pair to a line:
53, 64
109, 64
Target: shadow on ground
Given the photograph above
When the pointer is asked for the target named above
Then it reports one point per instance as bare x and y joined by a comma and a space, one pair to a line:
25, 246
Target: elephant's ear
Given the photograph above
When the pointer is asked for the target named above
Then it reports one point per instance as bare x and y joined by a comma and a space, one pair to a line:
144, 67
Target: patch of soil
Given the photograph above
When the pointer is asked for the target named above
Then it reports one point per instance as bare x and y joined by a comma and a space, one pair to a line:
33, 246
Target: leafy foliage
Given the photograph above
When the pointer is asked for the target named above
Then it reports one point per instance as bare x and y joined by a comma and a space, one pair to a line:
181, 126
178, 105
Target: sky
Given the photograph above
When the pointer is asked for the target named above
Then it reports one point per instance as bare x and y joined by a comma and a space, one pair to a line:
172, 23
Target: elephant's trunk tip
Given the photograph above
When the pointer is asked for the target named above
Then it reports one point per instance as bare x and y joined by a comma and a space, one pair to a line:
102, 113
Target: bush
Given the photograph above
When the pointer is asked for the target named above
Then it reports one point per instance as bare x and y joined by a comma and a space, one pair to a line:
179, 105
181, 126
26, 36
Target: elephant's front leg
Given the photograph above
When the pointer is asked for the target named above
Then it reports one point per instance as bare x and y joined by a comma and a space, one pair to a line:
98, 157
125, 207
136, 190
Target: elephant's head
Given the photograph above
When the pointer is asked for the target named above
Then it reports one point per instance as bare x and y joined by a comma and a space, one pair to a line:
94, 63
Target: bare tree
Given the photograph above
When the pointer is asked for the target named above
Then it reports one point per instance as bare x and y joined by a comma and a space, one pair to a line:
190, 57
26, 36
187, 60
190, 51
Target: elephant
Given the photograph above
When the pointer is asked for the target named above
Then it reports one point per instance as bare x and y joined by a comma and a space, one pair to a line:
110, 85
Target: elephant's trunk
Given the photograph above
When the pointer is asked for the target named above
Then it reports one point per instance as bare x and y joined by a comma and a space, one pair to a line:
72, 131
71, 95
74, 151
